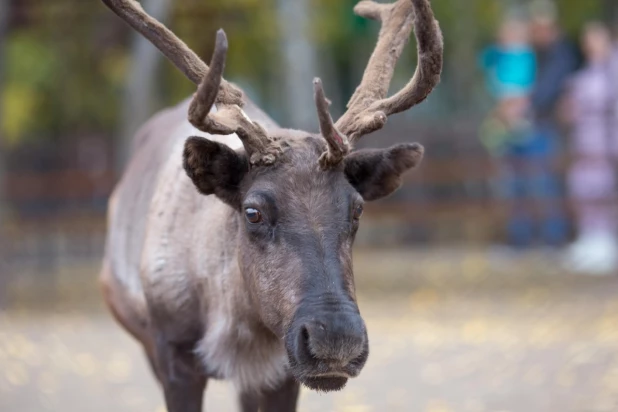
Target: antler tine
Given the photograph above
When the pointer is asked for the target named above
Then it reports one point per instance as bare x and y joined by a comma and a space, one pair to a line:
208, 89
430, 61
370, 10
338, 146
369, 107
171, 46
229, 118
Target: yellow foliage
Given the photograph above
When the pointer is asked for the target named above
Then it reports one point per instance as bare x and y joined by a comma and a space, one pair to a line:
18, 103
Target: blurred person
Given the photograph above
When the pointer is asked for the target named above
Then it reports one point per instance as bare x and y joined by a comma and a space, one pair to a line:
510, 63
510, 66
591, 109
535, 186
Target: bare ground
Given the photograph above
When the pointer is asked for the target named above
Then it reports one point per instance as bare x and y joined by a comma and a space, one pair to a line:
449, 332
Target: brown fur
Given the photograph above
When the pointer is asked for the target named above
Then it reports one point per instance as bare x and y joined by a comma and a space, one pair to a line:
377, 173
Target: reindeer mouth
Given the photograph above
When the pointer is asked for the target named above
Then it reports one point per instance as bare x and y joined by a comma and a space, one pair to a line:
325, 383
324, 377
332, 375
327, 346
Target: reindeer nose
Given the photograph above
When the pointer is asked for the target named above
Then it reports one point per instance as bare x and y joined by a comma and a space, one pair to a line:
337, 337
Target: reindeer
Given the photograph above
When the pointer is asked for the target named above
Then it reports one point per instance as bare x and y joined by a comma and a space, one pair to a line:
229, 253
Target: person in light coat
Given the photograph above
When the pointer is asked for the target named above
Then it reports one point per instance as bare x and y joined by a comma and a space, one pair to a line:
592, 108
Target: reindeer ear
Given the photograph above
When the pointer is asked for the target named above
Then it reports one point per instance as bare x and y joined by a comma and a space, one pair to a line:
215, 169
376, 173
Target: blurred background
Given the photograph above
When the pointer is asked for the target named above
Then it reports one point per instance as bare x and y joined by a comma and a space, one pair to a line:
488, 281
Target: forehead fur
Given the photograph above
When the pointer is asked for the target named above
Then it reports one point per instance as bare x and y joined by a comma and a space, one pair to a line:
300, 151
298, 172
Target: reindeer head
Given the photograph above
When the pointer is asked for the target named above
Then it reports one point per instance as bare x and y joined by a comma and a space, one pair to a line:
299, 195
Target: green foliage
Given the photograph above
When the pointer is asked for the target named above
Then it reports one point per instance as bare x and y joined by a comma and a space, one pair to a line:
251, 26
57, 81
29, 67
574, 12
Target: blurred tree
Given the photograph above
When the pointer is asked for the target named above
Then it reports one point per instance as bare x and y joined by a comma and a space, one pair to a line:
4, 23
462, 58
252, 29
49, 68
140, 96
342, 41
298, 62
611, 11
574, 13
4, 27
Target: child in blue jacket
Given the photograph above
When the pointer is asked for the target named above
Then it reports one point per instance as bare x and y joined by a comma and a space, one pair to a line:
510, 66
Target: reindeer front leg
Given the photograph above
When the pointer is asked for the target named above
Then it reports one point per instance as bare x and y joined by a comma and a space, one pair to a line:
182, 380
282, 399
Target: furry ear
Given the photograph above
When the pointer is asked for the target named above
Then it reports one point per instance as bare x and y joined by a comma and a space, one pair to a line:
215, 169
376, 173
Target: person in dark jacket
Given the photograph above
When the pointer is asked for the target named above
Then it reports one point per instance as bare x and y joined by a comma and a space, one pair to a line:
535, 185
557, 60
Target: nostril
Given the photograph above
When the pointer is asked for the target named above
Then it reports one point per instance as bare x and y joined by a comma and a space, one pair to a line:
304, 333
304, 342
337, 339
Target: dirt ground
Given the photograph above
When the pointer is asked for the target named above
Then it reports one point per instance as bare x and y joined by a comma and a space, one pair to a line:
455, 337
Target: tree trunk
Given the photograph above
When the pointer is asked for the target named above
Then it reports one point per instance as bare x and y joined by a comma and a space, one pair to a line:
140, 93
299, 68
462, 58
4, 23
611, 11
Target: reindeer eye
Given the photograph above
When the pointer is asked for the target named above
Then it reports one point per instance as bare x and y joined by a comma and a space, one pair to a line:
358, 212
253, 215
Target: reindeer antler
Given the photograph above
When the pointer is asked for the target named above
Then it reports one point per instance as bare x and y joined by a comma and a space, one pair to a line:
338, 146
369, 107
171, 46
229, 118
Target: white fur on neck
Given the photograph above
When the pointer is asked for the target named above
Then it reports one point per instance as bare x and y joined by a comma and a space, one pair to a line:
231, 350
